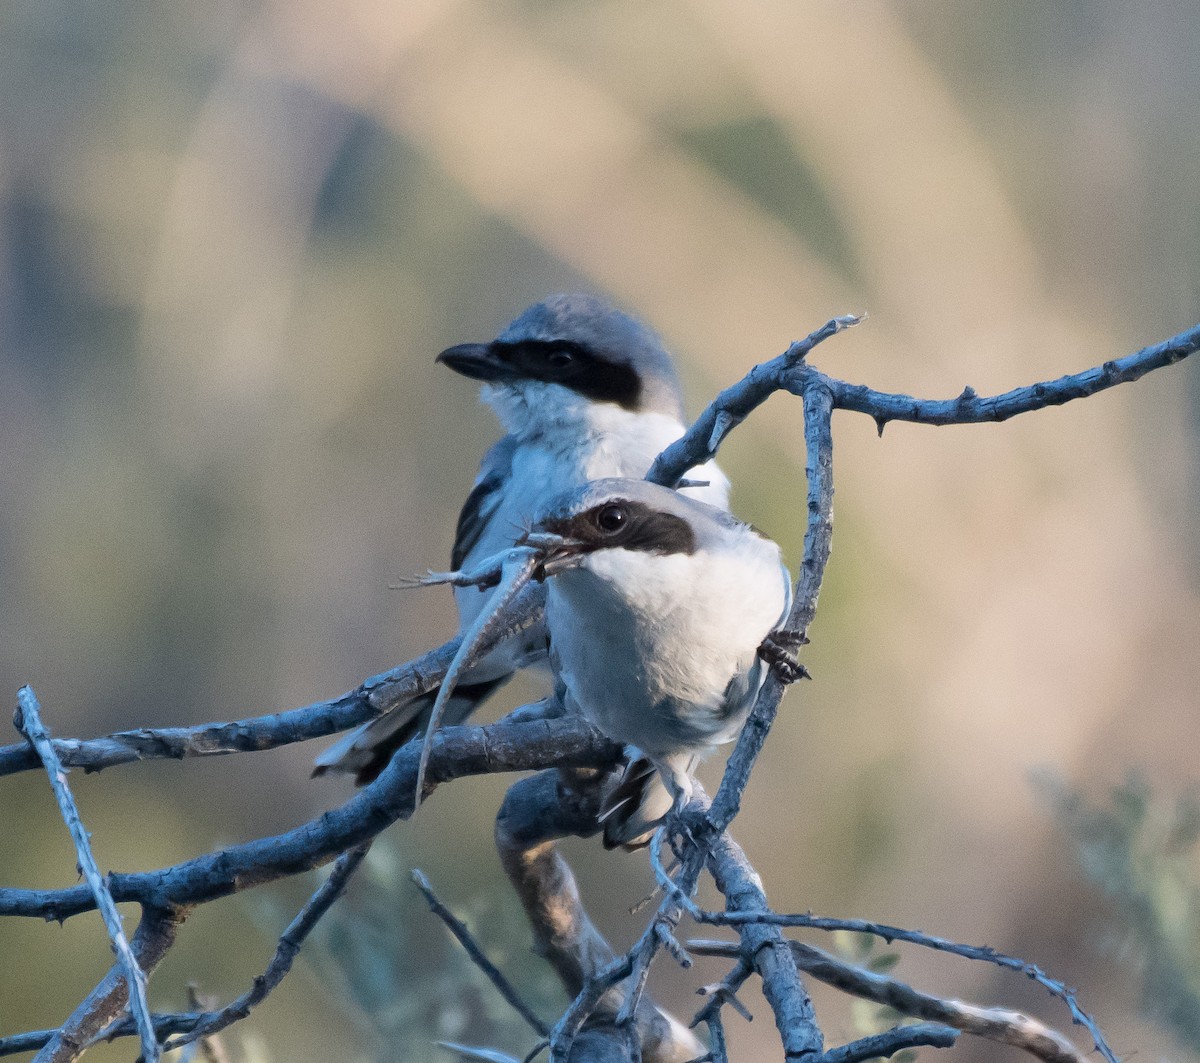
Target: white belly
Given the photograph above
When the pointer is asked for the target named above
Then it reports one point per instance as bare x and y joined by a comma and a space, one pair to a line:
671, 666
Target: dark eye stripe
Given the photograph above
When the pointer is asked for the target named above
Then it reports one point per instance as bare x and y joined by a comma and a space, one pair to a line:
587, 373
645, 529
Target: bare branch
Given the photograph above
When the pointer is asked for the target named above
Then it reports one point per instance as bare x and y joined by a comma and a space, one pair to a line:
970, 408
246, 735
289, 945
28, 721
993, 1024
153, 937
516, 572
371, 698
733, 405
537, 812
915, 937
883, 1045
494, 975
457, 752
482, 1055
769, 952
818, 542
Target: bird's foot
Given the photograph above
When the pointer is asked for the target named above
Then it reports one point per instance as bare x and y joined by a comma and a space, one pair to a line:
778, 649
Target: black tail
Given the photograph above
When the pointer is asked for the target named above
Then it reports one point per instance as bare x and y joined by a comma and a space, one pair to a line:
366, 751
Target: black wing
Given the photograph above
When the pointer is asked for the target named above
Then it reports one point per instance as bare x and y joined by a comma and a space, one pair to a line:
481, 503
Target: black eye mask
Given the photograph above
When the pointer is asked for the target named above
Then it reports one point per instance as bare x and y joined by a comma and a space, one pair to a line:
628, 525
574, 366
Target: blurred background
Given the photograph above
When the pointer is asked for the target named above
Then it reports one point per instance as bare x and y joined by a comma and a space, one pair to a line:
233, 236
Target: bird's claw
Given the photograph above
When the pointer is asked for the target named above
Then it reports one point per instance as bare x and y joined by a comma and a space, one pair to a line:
778, 649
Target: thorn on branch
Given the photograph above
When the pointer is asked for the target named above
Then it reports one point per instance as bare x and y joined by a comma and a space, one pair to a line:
723, 994
721, 425
671, 944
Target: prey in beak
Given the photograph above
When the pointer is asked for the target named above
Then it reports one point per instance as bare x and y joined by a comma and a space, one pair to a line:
535, 556
555, 553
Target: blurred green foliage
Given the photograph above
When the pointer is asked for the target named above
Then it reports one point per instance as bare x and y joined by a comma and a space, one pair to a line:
408, 981
1143, 852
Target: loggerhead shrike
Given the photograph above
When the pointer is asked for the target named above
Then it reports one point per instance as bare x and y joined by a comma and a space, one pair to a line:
658, 607
583, 391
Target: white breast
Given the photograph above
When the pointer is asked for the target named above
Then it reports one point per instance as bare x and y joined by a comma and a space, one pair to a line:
661, 651
564, 442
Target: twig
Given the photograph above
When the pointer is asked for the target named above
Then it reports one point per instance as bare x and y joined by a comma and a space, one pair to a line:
719, 995
289, 945
535, 813
584, 1006
883, 1045
28, 721
993, 1024
658, 934
770, 952
482, 1055
984, 953
970, 408
818, 542
457, 752
494, 975
372, 697
725, 992
733, 405
154, 936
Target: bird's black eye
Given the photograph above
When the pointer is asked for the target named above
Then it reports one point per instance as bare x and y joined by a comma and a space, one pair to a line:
612, 518
559, 357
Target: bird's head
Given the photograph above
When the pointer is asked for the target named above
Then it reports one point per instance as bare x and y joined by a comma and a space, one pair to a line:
563, 357
621, 515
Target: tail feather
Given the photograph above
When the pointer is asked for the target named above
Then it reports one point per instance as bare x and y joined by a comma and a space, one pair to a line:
366, 751
635, 807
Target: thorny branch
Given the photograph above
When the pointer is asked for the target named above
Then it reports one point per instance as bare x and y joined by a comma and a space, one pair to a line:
699, 835
764, 916
153, 938
285, 954
28, 721
993, 1024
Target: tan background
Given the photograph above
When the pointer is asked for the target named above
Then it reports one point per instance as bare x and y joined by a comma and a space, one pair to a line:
233, 238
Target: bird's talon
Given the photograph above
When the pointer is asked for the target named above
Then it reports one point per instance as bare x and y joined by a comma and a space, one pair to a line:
778, 650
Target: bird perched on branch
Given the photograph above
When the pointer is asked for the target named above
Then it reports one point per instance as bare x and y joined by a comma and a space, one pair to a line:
583, 391
660, 610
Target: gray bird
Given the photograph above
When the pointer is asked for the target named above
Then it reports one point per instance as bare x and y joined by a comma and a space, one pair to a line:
583, 391
657, 607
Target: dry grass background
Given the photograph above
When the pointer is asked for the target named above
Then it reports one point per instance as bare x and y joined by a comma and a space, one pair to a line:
235, 235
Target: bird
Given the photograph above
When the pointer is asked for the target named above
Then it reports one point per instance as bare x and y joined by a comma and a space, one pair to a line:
661, 612
583, 391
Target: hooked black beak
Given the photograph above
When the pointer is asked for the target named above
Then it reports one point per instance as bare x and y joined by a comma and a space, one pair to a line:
557, 553
478, 361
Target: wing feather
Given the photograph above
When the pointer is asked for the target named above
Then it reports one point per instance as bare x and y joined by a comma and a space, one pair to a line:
484, 499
